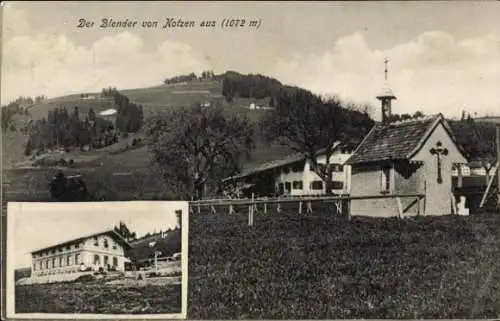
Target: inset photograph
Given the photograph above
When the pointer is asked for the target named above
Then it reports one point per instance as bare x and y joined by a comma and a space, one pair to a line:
105, 260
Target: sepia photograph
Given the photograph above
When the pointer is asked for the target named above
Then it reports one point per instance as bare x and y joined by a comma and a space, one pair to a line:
334, 159
101, 260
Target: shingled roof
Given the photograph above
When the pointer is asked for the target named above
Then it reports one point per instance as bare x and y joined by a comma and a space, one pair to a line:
396, 140
287, 160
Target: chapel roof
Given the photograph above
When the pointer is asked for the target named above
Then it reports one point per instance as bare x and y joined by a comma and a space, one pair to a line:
396, 140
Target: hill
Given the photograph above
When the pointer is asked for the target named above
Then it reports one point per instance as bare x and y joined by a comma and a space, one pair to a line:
167, 243
123, 170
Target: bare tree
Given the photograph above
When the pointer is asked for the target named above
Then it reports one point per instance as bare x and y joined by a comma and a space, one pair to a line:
196, 146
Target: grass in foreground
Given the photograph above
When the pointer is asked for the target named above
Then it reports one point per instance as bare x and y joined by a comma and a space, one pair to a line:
287, 267
91, 297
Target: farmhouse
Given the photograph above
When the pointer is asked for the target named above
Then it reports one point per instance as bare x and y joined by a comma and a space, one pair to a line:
416, 156
294, 176
105, 249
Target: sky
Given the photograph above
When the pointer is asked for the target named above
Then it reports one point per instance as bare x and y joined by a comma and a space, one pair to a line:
36, 225
443, 56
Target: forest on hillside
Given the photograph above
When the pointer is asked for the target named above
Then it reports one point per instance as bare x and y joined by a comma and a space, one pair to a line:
71, 129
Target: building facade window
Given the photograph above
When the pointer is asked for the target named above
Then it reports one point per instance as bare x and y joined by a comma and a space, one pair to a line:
297, 185
106, 245
96, 242
68, 260
68, 247
77, 258
338, 168
106, 260
288, 187
337, 185
41, 265
96, 259
316, 185
60, 261
115, 261
385, 180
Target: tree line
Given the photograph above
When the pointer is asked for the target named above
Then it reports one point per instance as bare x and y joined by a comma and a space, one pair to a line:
64, 129
205, 75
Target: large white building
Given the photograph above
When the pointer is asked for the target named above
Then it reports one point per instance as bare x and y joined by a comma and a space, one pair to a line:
293, 175
104, 249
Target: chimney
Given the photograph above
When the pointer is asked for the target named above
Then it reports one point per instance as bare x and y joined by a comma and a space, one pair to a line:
386, 97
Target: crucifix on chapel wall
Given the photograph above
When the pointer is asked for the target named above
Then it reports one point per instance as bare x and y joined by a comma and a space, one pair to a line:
439, 152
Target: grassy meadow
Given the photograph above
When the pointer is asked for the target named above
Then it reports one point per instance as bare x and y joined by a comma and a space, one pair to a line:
325, 267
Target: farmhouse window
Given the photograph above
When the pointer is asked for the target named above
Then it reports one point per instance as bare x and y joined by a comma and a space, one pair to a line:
96, 259
68, 247
286, 170
60, 261
96, 243
106, 245
77, 246
34, 267
337, 185
385, 180
115, 261
60, 249
288, 186
317, 185
338, 168
106, 260
297, 185
68, 260
53, 251
281, 188
53, 262
47, 264
77, 258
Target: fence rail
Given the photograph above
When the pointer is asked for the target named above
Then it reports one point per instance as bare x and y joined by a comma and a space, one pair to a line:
304, 203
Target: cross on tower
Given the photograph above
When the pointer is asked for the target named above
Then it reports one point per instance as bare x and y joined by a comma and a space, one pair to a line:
385, 71
439, 151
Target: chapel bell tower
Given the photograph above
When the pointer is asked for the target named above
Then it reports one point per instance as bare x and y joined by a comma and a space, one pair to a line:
385, 97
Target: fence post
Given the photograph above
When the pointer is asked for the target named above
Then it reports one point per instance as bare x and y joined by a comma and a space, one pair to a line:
309, 207
199, 209
278, 206
212, 209
231, 209
265, 205
250, 215
300, 207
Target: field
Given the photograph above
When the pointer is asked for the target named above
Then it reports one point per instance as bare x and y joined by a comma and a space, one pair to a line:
95, 297
287, 266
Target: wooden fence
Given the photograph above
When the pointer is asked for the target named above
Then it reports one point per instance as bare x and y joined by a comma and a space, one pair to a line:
303, 204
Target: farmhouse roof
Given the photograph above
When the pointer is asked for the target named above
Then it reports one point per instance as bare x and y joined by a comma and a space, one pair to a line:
397, 140
111, 232
290, 159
